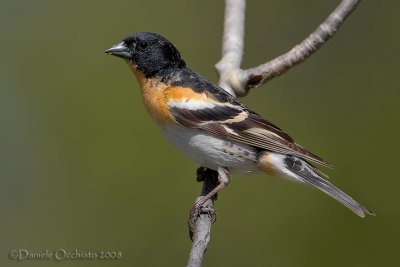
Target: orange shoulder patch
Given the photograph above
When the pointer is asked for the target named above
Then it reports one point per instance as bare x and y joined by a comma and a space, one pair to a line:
183, 93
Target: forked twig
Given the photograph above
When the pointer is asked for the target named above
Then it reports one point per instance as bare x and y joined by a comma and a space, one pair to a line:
233, 78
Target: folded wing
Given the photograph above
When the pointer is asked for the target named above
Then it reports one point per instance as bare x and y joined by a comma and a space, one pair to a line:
233, 121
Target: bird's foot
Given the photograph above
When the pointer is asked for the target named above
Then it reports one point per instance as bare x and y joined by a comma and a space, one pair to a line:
200, 208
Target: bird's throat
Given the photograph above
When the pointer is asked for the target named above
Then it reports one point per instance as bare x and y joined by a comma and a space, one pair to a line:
152, 95
138, 74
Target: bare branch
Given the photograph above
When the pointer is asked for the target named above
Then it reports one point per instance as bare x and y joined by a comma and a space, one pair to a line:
232, 47
257, 76
200, 223
201, 236
233, 38
241, 81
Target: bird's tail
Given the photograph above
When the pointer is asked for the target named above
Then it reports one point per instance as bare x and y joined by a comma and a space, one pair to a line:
300, 170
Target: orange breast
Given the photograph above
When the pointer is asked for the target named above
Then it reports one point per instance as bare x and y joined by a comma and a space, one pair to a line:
155, 102
153, 96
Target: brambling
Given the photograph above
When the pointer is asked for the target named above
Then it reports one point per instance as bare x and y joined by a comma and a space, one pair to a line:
213, 127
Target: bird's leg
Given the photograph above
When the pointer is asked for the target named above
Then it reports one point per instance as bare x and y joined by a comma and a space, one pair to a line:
210, 189
223, 179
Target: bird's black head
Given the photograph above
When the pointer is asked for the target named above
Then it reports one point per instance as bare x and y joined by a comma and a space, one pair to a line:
149, 52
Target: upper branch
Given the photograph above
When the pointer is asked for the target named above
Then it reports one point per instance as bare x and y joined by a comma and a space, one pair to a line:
241, 81
232, 46
257, 76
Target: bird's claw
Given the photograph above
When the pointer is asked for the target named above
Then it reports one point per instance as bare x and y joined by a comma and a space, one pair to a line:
196, 212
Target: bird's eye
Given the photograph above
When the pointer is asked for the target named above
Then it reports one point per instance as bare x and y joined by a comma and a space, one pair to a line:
143, 45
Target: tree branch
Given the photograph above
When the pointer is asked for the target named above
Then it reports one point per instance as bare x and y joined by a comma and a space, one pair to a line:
238, 82
200, 224
232, 47
241, 81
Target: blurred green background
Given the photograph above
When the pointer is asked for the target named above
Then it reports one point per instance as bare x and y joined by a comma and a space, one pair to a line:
82, 166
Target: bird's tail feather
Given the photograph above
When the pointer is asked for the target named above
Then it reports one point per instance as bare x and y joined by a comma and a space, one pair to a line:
308, 174
300, 170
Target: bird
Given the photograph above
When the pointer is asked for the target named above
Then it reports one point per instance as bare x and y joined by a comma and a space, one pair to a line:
211, 126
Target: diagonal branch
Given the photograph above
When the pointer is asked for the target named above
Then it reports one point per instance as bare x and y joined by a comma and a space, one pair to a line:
232, 78
257, 76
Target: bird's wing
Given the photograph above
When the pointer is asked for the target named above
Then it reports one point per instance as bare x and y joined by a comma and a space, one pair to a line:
231, 120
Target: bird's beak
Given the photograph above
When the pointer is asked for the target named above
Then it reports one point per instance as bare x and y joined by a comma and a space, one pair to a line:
119, 50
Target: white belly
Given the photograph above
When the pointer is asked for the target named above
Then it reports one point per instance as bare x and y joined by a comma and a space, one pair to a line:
210, 151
